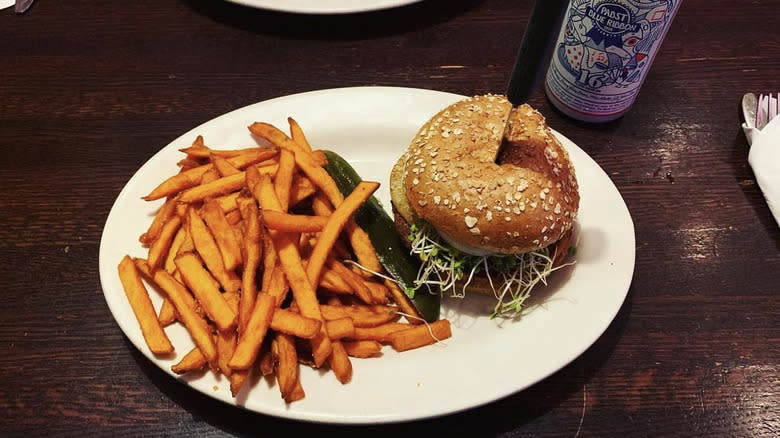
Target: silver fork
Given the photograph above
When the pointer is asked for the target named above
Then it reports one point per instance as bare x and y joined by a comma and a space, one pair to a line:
767, 108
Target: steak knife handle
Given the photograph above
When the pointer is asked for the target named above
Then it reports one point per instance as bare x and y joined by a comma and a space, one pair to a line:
536, 48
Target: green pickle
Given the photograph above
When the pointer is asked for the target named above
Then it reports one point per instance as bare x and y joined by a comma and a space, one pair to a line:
392, 253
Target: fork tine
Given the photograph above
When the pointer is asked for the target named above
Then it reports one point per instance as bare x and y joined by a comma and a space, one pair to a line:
760, 112
772, 108
777, 105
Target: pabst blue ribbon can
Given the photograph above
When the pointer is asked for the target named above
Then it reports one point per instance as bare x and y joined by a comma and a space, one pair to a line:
603, 54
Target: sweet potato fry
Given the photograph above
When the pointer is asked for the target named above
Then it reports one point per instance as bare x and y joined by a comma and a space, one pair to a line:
162, 244
283, 348
319, 157
361, 244
403, 302
379, 292
305, 160
164, 213
203, 151
295, 223
354, 281
226, 345
332, 282
364, 250
188, 163
177, 183
340, 364
278, 287
167, 315
234, 218
292, 323
340, 328
192, 177
174, 249
226, 340
420, 335
336, 223
209, 177
361, 315
228, 202
269, 261
284, 177
301, 188
206, 290
192, 361
276, 137
362, 349
196, 324
237, 379
266, 362
226, 239
252, 255
297, 134
249, 340
143, 267
297, 392
223, 166
218, 187
303, 291
138, 296
263, 190
209, 251
378, 333
197, 144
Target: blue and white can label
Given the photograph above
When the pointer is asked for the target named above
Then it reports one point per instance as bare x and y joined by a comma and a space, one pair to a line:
603, 54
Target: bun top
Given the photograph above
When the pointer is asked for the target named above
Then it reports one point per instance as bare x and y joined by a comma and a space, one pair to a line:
523, 200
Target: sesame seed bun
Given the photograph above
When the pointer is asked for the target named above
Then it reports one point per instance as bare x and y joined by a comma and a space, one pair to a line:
484, 193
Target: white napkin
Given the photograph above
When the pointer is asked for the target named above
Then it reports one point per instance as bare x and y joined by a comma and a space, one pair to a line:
764, 158
6, 3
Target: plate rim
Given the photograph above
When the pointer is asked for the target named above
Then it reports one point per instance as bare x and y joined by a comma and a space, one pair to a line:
326, 418
332, 7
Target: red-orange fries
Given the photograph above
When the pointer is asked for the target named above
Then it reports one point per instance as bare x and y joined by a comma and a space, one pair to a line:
255, 252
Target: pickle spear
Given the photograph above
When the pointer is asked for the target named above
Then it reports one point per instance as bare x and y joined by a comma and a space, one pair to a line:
392, 253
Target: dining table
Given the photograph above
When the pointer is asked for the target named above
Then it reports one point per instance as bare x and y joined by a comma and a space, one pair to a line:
91, 92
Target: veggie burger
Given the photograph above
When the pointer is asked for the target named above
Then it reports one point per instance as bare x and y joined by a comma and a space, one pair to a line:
488, 199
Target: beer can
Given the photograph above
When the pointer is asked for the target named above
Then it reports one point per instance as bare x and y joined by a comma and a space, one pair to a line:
603, 54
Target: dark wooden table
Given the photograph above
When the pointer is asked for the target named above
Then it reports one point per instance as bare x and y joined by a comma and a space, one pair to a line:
90, 90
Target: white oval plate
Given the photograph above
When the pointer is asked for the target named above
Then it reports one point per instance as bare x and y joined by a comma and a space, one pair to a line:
324, 6
485, 359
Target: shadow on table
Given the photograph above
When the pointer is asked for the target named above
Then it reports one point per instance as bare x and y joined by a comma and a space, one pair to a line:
333, 26
523, 408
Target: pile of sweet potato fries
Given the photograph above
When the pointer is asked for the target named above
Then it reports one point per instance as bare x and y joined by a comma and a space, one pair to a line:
238, 230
